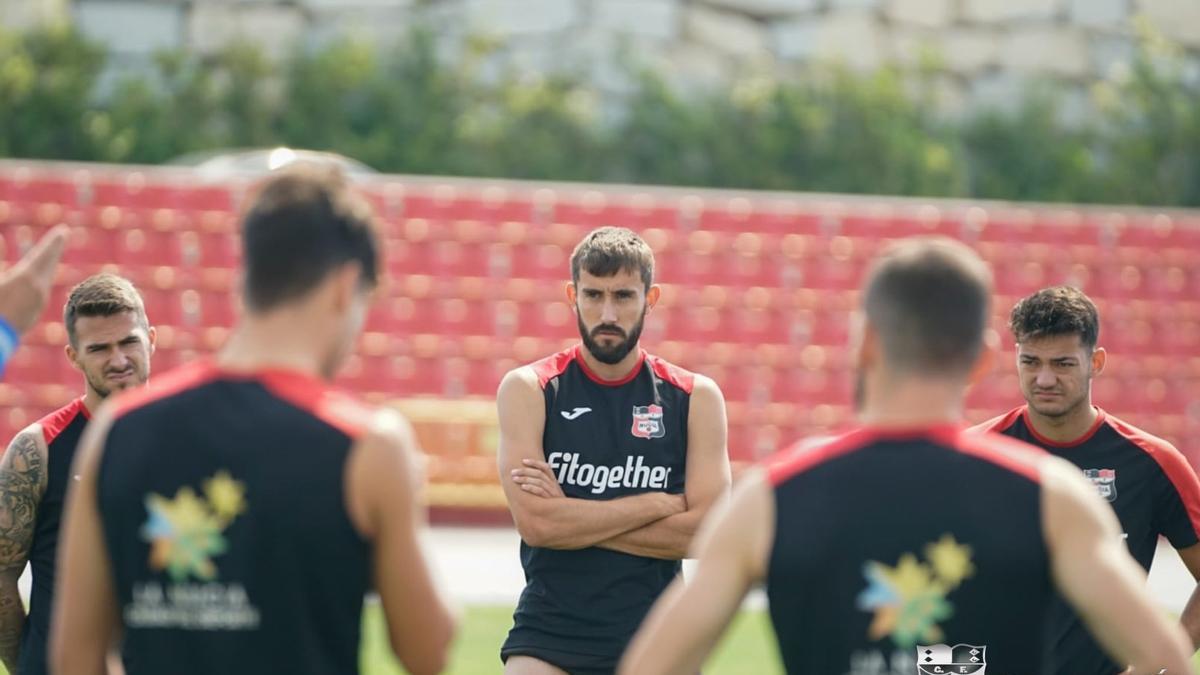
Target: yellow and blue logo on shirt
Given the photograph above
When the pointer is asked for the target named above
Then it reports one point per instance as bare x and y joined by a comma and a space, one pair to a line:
185, 533
909, 599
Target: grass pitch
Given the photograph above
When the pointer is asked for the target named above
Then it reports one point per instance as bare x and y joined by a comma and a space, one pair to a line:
748, 648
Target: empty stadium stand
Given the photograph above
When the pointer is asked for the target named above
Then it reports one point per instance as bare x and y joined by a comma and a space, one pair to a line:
758, 293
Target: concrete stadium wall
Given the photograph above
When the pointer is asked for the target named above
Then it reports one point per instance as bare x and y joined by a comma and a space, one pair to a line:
987, 48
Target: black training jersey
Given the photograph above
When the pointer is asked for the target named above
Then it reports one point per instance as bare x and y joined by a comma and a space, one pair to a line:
604, 439
224, 511
61, 429
1150, 486
909, 551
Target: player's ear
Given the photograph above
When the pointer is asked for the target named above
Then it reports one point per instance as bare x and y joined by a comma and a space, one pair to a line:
864, 341
572, 294
72, 355
346, 284
1099, 359
653, 295
986, 359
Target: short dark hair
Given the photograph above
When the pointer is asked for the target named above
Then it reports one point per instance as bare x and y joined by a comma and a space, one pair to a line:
929, 300
1058, 310
101, 295
608, 250
303, 222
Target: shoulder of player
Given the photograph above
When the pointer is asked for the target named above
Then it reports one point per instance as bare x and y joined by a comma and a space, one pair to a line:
999, 423
1173, 464
34, 433
521, 377
384, 458
547, 368
30, 440
705, 389
1009, 453
806, 454
678, 377
1142, 439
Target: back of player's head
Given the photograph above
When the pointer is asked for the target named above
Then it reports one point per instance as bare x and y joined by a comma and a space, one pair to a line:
303, 223
608, 250
928, 300
1054, 311
101, 295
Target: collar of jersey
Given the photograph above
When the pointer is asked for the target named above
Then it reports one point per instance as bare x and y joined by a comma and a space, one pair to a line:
1101, 418
609, 383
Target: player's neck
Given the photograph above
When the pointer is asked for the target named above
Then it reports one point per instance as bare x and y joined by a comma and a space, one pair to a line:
1064, 428
262, 343
614, 371
911, 402
92, 400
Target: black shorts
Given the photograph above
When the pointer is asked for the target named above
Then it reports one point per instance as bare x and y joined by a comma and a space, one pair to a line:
574, 664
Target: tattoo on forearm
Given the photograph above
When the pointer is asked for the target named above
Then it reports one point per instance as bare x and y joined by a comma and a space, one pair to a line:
12, 619
22, 480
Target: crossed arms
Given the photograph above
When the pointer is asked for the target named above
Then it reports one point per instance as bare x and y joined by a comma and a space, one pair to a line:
653, 524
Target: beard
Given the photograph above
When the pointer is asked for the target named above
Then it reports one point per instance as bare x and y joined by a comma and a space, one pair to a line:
613, 354
99, 383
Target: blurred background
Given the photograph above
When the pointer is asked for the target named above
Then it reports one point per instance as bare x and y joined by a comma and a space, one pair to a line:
766, 149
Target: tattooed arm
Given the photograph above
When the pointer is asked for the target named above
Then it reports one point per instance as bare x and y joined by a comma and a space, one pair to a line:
22, 483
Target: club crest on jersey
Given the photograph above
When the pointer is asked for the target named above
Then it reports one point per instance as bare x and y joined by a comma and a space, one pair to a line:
959, 659
1105, 481
648, 421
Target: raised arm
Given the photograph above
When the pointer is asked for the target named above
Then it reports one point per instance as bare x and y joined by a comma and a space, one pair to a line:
706, 481
544, 517
1086, 553
85, 621
22, 484
25, 287
685, 624
383, 483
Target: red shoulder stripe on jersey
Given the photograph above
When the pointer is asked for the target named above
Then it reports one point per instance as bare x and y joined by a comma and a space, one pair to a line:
999, 424
54, 423
1018, 457
591, 375
337, 409
554, 365
181, 379
1171, 461
1087, 435
1003, 451
672, 373
808, 453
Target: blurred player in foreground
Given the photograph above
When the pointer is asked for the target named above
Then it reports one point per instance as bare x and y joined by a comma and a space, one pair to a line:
110, 341
1149, 483
609, 457
230, 518
909, 543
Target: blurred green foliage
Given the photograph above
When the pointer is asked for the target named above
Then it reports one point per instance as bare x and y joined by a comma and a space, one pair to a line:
403, 109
